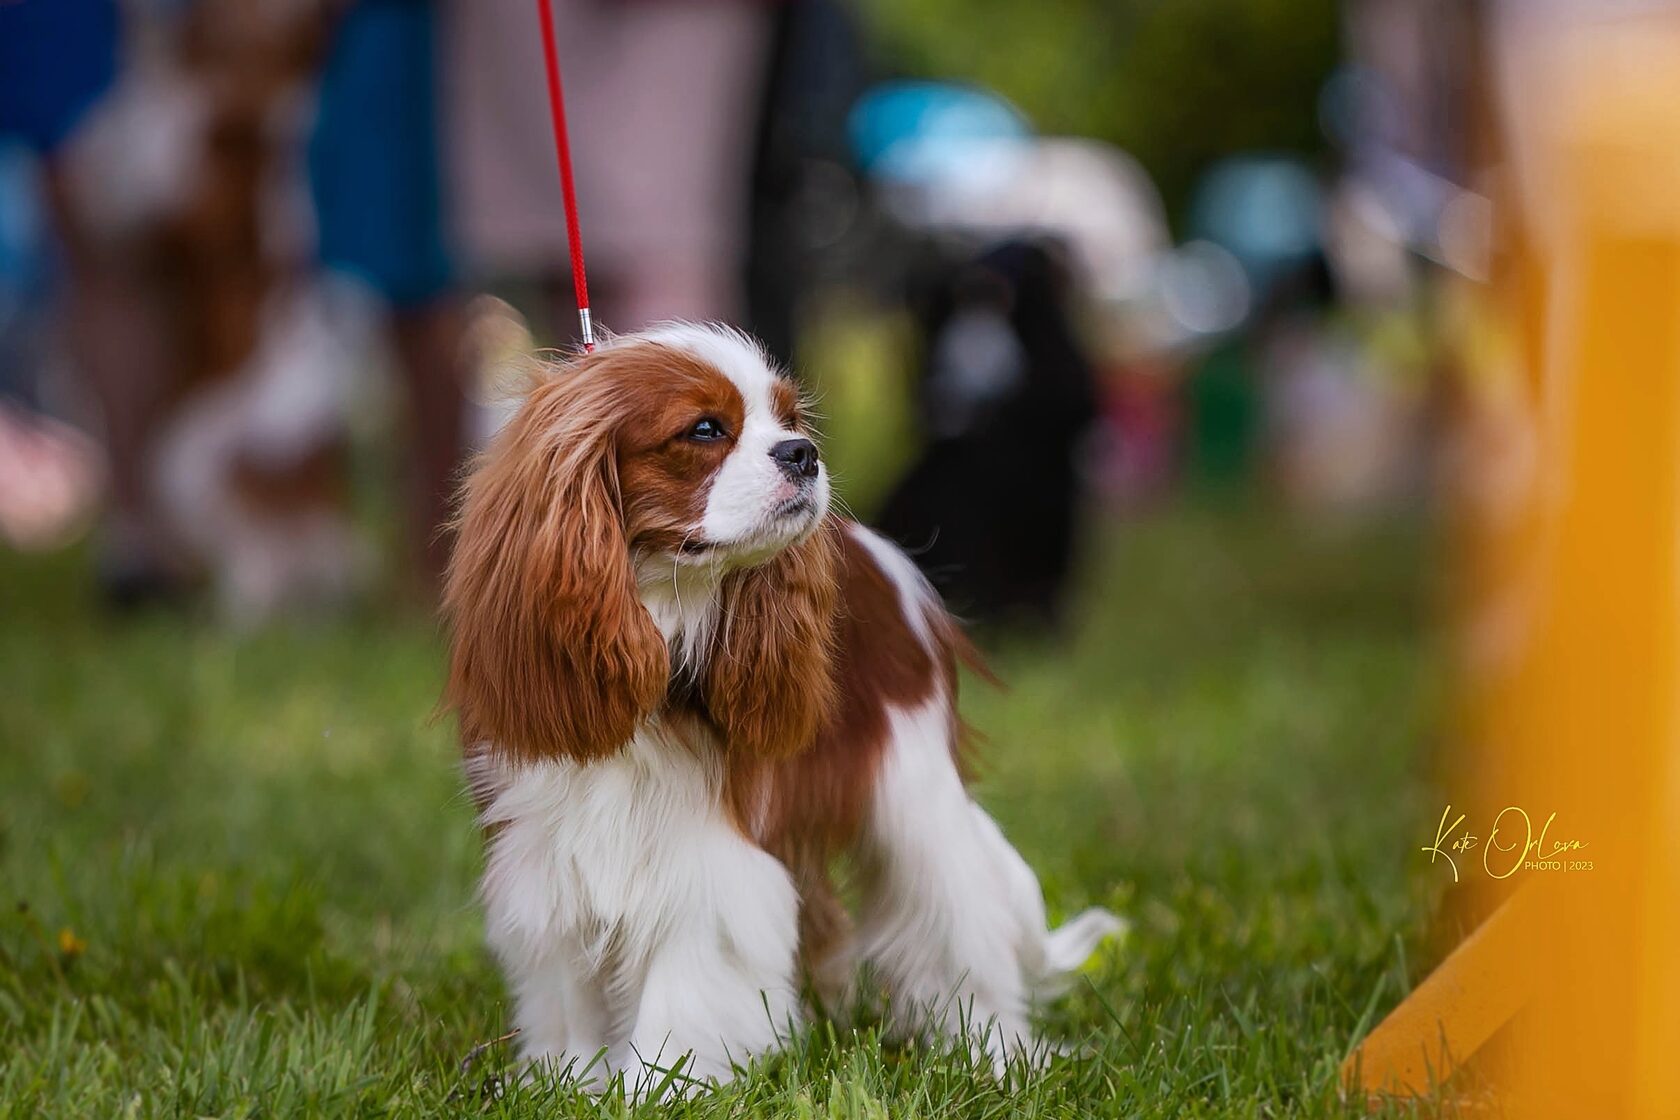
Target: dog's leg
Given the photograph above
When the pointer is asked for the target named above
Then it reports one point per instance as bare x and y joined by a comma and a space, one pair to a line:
720, 985
560, 1015
826, 937
953, 918
565, 1008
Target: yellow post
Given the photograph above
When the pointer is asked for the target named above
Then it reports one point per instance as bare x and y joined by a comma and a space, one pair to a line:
1573, 707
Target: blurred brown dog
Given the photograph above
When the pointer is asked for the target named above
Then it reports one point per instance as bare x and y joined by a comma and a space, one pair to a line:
189, 180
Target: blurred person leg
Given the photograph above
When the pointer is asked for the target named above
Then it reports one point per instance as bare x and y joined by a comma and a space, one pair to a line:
662, 97
430, 344
116, 340
58, 58
679, 110
375, 173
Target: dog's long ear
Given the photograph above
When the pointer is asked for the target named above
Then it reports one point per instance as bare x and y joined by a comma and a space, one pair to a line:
552, 654
769, 682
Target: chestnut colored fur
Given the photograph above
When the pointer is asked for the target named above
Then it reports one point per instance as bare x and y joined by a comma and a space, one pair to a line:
646, 542
809, 808
553, 654
770, 681
818, 796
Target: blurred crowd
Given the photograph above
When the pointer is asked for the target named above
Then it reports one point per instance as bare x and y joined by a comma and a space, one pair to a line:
241, 241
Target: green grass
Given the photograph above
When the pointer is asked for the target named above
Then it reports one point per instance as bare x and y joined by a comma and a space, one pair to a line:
237, 873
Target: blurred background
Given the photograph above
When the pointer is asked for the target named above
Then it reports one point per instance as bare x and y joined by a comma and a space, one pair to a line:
264, 266
1207, 355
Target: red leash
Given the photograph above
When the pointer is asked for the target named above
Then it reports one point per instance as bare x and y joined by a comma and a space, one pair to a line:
563, 150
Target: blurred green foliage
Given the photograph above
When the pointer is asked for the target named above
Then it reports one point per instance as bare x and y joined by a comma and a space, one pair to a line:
1177, 83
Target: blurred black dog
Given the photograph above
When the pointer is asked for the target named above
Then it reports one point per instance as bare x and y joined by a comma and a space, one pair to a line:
992, 508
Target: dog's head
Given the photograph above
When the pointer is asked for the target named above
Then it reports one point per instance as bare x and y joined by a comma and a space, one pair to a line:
675, 454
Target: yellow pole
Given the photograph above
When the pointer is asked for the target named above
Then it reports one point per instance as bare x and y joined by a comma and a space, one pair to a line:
1573, 704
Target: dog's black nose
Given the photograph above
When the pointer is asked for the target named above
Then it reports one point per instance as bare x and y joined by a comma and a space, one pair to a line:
798, 457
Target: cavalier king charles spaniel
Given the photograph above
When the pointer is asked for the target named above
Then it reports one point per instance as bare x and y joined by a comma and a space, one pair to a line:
684, 686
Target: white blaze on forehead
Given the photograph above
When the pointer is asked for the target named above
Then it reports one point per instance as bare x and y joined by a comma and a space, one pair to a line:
750, 484
735, 355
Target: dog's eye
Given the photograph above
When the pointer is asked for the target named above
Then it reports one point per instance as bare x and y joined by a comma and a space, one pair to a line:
706, 430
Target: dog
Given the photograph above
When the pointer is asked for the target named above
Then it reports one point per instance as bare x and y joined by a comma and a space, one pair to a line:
993, 507
188, 181
684, 685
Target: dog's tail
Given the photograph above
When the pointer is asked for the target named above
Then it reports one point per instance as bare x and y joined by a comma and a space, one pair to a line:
1049, 958
1065, 949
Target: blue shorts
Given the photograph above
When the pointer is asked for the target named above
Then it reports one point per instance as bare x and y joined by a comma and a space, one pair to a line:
373, 161
57, 57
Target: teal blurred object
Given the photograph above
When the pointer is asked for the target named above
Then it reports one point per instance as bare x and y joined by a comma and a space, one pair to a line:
57, 59
374, 165
24, 270
1266, 211
22, 233
919, 131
